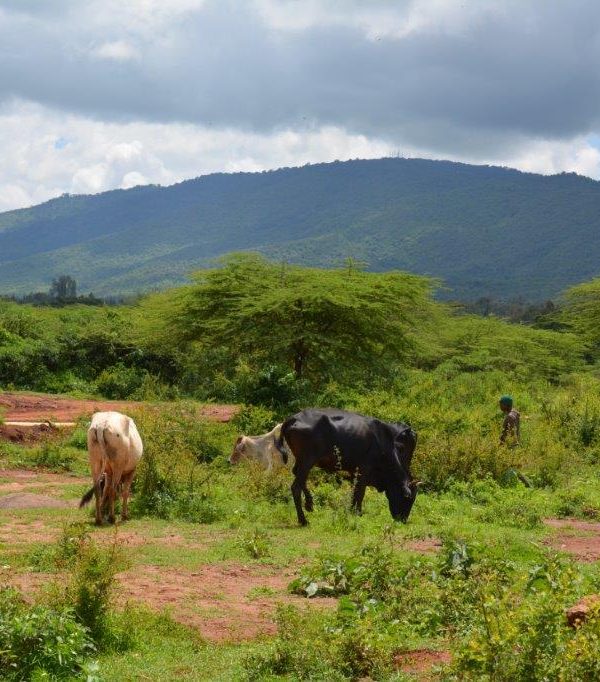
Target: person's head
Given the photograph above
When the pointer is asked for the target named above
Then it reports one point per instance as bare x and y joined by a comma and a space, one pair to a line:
506, 403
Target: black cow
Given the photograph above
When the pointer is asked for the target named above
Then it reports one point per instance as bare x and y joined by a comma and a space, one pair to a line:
373, 452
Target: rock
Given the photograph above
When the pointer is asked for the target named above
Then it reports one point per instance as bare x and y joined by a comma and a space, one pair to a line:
579, 613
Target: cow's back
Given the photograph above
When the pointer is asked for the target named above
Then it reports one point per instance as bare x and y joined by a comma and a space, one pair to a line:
115, 437
333, 438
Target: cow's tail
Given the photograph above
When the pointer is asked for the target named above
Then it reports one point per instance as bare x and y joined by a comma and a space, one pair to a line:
86, 499
280, 442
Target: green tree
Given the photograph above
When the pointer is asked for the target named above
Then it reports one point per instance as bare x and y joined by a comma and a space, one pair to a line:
582, 312
318, 322
63, 287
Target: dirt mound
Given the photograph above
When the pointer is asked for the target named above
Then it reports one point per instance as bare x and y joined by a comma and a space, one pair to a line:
27, 434
30, 501
29, 407
579, 538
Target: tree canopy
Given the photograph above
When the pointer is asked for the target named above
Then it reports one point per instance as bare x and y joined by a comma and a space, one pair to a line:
317, 322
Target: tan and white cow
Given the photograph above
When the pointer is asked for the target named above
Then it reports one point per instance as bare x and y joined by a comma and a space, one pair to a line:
262, 449
114, 449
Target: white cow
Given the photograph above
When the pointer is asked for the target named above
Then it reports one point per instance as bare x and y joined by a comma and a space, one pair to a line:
114, 448
262, 449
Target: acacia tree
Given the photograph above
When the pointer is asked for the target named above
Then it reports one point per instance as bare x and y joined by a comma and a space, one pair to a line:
319, 322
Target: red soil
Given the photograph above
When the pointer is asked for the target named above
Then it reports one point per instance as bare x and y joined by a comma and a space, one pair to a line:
225, 601
29, 407
27, 434
421, 661
581, 539
424, 545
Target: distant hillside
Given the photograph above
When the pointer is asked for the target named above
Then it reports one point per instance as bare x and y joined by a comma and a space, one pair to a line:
483, 230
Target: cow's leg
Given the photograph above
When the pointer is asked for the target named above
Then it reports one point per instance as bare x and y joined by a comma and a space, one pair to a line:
98, 494
308, 499
111, 488
106, 495
358, 494
116, 482
126, 483
299, 484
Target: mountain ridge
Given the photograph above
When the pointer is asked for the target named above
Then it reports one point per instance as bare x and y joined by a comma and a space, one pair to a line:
483, 230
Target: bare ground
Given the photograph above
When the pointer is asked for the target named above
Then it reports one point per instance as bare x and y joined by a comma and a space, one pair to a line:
422, 662
579, 538
26, 407
224, 601
25, 434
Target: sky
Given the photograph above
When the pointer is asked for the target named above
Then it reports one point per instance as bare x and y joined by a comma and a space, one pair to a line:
104, 94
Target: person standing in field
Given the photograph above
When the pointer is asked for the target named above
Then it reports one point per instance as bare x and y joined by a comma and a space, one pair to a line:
511, 427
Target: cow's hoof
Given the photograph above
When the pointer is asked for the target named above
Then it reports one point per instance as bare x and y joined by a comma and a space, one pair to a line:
303, 522
309, 506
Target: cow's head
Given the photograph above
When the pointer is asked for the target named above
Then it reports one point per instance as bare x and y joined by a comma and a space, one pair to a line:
238, 451
402, 490
400, 503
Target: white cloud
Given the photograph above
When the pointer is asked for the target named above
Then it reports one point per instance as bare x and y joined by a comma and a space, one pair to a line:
379, 18
161, 90
118, 50
46, 153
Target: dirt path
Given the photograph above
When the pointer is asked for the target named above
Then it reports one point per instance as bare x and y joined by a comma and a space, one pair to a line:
29, 407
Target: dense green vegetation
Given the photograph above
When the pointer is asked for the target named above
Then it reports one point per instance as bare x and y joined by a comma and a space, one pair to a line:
493, 596
485, 231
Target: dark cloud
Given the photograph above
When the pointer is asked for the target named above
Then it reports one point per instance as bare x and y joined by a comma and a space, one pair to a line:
529, 69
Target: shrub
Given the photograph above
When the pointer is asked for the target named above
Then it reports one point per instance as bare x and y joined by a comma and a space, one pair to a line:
120, 382
62, 554
253, 420
38, 642
90, 587
53, 456
271, 486
256, 543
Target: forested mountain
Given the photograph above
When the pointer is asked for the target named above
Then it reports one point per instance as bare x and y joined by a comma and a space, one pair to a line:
485, 231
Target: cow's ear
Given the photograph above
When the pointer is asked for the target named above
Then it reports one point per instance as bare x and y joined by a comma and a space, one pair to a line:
239, 440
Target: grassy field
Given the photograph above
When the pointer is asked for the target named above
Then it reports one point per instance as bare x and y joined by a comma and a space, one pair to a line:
214, 574
212, 579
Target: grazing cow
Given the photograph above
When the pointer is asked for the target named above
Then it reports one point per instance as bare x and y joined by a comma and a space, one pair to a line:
263, 449
114, 448
373, 452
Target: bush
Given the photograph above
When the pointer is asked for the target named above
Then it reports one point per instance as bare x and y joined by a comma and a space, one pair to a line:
62, 554
254, 420
521, 633
256, 543
90, 588
37, 641
53, 456
120, 382
271, 486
